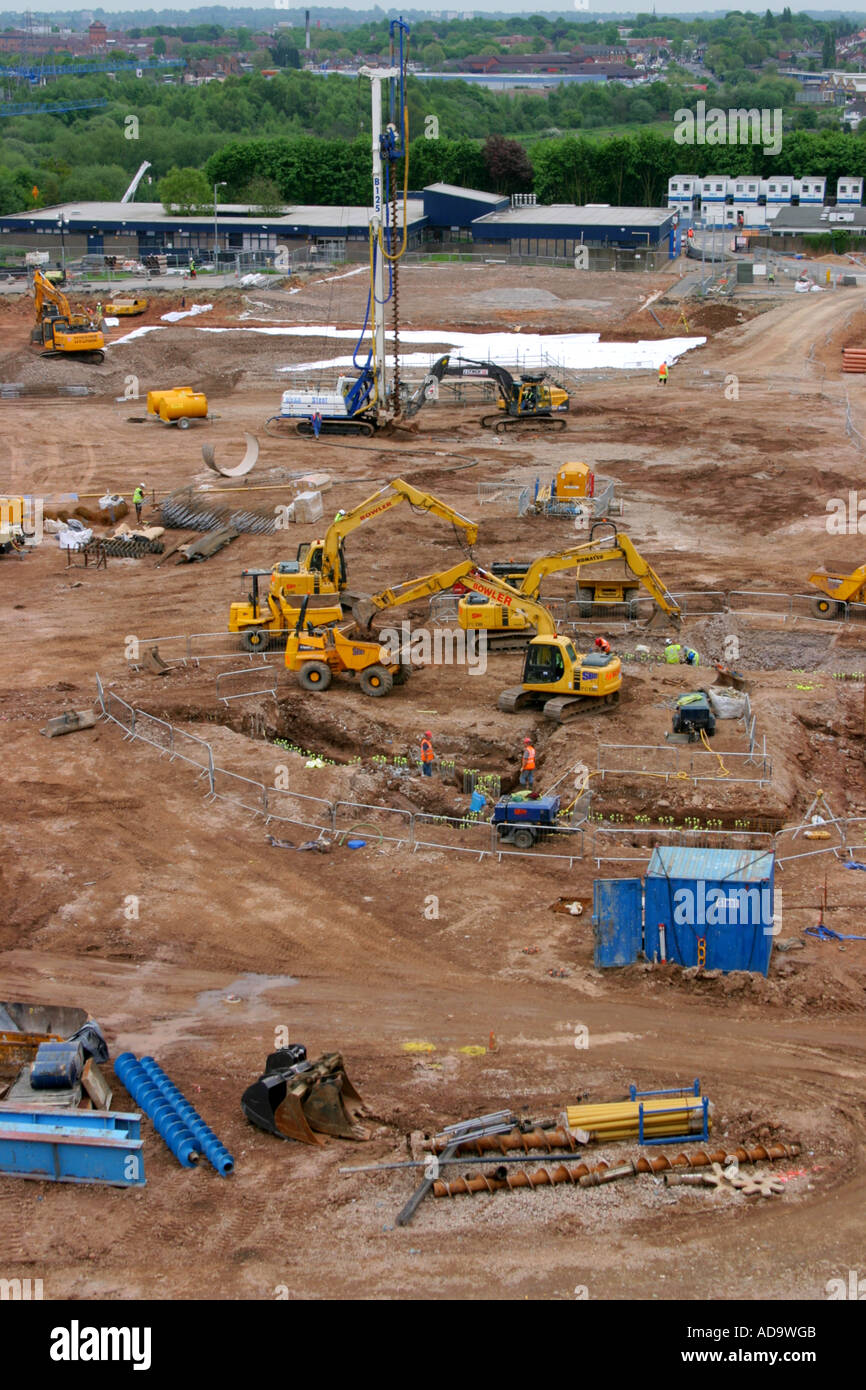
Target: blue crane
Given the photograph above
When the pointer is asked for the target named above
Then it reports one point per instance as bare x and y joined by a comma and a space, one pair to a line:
36, 74
28, 108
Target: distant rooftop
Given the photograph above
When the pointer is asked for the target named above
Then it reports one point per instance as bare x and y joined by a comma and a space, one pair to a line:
293, 217
567, 214
457, 192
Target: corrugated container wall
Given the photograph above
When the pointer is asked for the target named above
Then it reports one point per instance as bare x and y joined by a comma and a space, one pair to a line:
719, 896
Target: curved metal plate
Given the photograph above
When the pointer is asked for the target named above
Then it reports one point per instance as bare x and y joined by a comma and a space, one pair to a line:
246, 465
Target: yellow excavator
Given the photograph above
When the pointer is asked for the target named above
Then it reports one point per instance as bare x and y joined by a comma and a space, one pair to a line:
508, 628
531, 400
58, 331
320, 567
556, 676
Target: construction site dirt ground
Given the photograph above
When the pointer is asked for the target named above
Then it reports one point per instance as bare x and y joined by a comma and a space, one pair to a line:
175, 922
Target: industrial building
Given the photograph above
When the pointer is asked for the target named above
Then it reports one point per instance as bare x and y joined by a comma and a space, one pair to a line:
438, 213
450, 208
559, 230
134, 230
750, 201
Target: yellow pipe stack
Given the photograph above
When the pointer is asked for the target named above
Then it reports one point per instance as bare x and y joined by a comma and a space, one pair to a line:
662, 1118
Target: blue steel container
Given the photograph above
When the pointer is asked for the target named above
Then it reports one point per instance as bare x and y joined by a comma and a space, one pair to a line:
723, 897
617, 921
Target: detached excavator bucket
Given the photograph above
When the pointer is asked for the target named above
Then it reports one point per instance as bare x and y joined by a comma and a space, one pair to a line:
304, 1101
332, 1107
270, 1105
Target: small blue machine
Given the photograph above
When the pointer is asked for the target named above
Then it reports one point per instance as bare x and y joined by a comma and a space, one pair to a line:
523, 822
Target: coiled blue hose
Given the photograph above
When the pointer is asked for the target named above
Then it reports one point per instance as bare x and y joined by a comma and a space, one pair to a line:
165, 1119
204, 1138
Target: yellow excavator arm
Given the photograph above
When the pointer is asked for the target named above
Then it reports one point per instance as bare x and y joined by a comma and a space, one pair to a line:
45, 291
480, 581
618, 547
393, 494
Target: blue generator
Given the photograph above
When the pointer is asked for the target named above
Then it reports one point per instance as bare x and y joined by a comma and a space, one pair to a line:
523, 822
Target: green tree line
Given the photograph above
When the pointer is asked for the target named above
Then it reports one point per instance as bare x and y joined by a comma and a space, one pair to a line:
309, 136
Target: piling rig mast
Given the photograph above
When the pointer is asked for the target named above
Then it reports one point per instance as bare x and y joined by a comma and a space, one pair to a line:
374, 398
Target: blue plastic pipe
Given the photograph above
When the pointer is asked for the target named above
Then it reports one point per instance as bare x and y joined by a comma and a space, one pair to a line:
165, 1119
204, 1138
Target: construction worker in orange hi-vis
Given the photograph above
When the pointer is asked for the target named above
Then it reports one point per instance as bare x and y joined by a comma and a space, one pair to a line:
527, 769
603, 645
427, 754
663, 374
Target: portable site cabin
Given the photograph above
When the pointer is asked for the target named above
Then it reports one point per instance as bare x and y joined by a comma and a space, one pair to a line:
812, 191
682, 190
714, 194
780, 194
849, 190
746, 192
708, 907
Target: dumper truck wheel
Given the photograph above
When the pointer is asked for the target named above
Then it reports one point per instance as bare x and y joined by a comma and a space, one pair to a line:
376, 681
255, 639
825, 607
585, 597
315, 675
402, 674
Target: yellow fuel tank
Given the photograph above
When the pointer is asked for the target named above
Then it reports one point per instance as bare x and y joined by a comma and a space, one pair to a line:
177, 403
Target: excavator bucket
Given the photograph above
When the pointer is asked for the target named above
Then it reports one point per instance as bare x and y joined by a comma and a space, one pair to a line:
361, 607
332, 1107
660, 621
270, 1106
306, 1100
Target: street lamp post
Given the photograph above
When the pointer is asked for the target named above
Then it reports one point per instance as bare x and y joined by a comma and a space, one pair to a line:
62, 224
221, 184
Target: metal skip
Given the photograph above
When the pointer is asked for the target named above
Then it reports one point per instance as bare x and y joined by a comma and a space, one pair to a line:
246, 465
86, 1146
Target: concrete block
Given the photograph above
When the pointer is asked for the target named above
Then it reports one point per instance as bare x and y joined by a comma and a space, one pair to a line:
308, 507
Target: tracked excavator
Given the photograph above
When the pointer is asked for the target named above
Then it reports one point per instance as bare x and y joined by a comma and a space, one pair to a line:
508, 629
556, 677
530, 400
59, 332
320, 567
